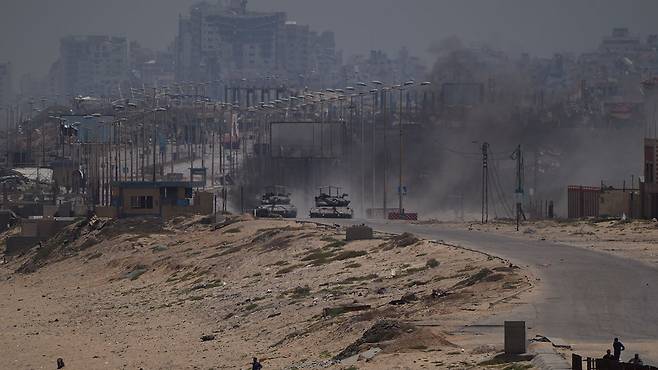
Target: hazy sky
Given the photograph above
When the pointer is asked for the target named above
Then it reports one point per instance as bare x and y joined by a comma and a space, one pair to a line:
30, 29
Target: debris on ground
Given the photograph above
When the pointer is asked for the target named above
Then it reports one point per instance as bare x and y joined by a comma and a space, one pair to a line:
339, 310
407, 298
474, 279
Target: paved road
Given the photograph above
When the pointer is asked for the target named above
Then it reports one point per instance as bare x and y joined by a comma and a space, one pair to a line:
584, 295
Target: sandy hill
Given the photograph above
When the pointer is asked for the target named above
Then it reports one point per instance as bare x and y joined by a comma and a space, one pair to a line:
200, 294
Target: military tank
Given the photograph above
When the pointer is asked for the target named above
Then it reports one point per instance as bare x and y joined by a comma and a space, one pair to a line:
330, 203
275, 203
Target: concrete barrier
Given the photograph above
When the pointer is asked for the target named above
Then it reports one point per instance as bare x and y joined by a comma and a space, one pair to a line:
358, 232
515, 337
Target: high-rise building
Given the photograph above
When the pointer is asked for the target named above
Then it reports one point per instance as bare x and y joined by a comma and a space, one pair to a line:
5, 84
91, 65
293, 47
324, 59
151, 68
224, 41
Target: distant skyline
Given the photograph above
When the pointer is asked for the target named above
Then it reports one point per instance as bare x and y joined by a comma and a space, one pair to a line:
30, 30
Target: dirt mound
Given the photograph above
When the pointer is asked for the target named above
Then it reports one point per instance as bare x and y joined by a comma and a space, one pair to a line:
56, 247
137, 281
87, 233
143, 226
382, 331
386, 330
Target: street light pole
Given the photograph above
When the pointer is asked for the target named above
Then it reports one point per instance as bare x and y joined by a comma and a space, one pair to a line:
154, 140
400, 209
362, 149
373, 147
385, 164
402, 88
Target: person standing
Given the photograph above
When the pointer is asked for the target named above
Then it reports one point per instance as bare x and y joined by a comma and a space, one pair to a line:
617, 346
255, 365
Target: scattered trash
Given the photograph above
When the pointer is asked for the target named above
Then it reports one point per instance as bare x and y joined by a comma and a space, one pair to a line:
438, 293
339, 310
403, 240
478, 277
556, 342
207, 338
407, 298
485, 348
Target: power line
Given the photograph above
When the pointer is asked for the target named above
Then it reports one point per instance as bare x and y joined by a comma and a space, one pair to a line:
498, 189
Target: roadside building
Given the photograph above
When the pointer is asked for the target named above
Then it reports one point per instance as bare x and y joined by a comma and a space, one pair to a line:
35, 230
649, 184
165, 199
603, 202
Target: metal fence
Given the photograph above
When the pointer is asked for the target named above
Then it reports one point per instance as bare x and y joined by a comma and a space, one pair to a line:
589, 363
583, 201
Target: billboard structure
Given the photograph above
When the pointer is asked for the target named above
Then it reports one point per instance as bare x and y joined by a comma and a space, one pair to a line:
307, 140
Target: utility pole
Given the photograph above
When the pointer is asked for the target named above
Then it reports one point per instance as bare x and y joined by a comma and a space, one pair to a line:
203, 134
374, 149
385, 167
362, 153
400, 209
143, 145
155, 132
518, 156
485, 182
7, 127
